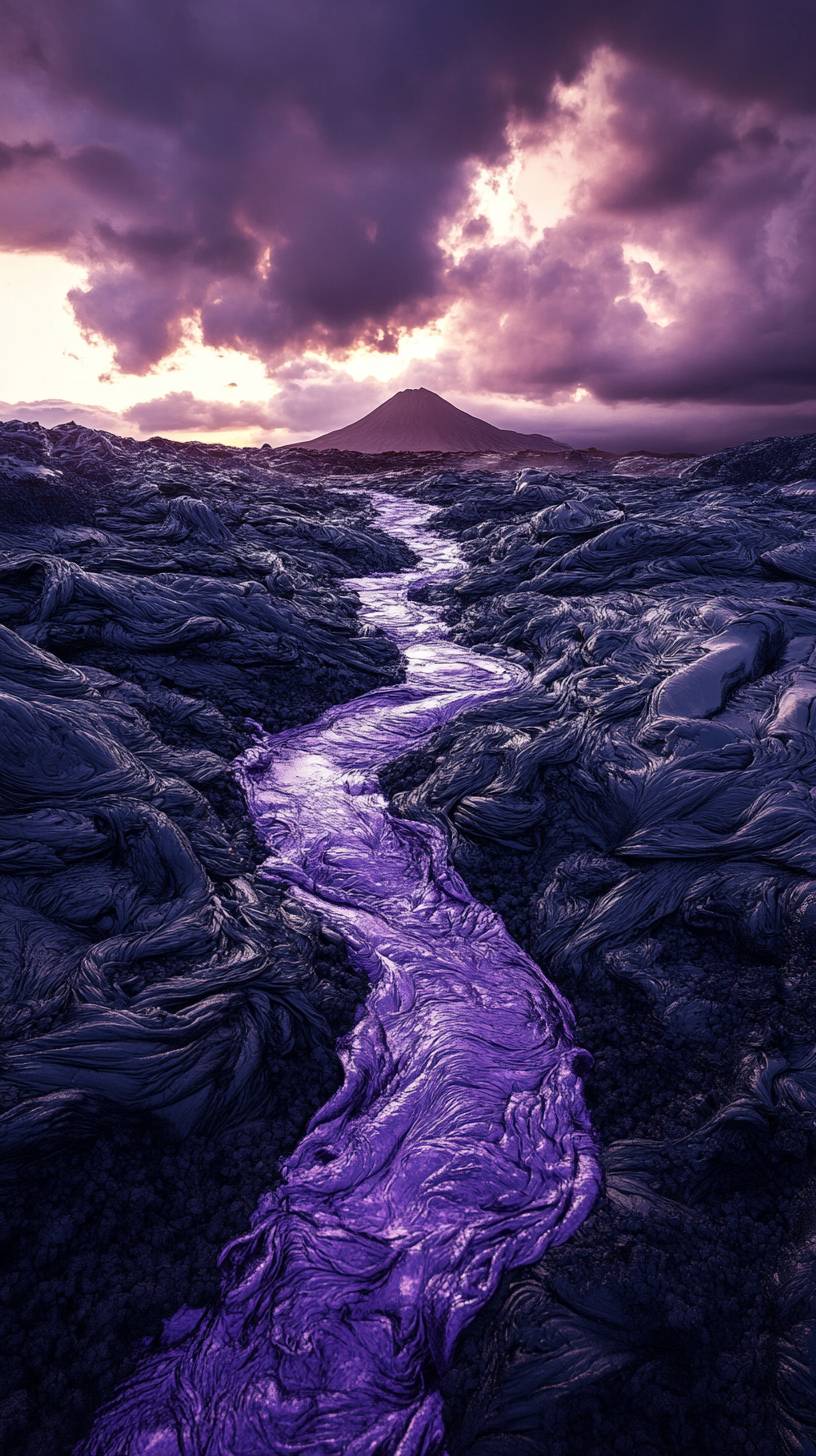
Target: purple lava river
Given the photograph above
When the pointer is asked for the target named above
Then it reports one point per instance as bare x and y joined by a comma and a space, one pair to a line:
457, 1146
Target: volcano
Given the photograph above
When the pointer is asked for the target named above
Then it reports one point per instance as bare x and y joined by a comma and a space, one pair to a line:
417, 420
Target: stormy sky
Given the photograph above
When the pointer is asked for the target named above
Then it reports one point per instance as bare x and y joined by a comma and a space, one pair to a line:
250, 219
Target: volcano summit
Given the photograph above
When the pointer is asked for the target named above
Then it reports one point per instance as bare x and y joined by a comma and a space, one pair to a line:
418, 419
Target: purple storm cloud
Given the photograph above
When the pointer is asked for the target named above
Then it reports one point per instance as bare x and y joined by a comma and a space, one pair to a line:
286, 176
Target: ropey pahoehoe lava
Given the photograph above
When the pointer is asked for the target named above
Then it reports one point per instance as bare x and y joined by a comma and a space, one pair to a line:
531, 776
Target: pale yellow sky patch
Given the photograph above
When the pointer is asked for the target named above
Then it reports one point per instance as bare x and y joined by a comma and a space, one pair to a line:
46, 355
412, 348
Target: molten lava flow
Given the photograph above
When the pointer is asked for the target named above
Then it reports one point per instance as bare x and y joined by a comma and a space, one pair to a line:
457, 1146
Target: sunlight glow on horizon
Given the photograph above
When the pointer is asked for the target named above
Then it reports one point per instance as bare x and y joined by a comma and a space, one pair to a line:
535, 189
52, 359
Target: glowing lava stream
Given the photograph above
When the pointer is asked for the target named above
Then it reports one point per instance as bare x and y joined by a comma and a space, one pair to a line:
457, 1146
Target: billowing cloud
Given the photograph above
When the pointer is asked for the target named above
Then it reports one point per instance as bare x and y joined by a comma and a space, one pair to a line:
49, 412
180, 410
286, 177
686, 271
173, 413
312, 397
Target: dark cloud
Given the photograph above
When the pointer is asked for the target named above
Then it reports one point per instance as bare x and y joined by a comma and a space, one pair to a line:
664, 144
142, 312
743, 49
284, 173
686, 272
25, 154
633, 426
108, 172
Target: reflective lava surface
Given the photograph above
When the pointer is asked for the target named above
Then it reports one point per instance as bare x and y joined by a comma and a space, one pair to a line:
457, 1146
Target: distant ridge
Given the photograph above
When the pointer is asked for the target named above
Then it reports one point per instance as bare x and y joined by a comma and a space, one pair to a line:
418, 419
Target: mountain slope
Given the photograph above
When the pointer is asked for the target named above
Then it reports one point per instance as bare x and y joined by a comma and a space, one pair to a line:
418, 419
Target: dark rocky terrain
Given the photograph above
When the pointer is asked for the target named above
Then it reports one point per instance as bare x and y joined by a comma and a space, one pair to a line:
641, 814
643, 819
168, 1021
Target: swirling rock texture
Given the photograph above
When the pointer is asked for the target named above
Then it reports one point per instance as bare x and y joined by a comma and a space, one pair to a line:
168, 1015
641, 813
457, 1146
604, 735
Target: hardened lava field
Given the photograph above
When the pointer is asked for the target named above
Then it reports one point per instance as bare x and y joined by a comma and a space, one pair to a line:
632, 792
